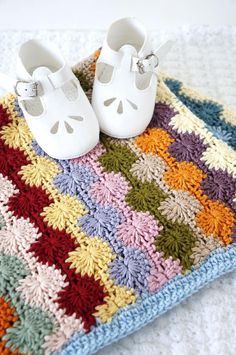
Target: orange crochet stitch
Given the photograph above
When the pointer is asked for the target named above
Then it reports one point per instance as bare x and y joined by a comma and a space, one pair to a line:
7, 319
184, 176
7, 316
156, 141
216, 219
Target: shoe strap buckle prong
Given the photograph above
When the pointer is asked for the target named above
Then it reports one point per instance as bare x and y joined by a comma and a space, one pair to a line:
27, 89
140, 63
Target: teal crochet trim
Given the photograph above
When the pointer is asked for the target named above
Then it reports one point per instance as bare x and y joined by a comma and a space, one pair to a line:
209, 111
134, 317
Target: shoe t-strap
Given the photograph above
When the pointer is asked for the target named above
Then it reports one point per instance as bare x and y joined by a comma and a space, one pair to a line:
150, 62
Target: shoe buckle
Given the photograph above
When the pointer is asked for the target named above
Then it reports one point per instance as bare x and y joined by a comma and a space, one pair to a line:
141, 64
26, 88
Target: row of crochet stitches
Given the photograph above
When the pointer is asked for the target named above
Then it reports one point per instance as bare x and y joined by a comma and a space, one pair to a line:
82, 239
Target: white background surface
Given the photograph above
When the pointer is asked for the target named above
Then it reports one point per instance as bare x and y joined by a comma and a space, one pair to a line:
97, 14
204, 57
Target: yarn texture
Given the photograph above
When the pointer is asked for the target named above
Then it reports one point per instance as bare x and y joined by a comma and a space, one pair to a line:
93, 248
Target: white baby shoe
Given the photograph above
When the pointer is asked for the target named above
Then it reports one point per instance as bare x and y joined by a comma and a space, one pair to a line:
54, 105
125, 83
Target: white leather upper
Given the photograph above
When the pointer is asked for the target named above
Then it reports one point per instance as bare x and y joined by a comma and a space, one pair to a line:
54, 105
125, 83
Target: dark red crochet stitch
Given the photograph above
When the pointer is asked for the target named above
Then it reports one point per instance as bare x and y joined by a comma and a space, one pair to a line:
5, 118
53, 247
82, 296
29, 203
18, 182
11, 160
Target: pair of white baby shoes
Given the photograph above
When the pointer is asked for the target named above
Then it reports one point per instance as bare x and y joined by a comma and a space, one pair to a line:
58, 113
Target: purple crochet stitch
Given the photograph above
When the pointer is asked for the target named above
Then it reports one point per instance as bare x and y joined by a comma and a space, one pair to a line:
187, 147
219, 185
161, 118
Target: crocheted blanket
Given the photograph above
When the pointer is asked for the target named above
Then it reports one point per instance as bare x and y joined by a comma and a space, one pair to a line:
93, 248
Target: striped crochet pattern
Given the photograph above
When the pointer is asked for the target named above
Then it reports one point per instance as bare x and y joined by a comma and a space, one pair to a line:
93, 248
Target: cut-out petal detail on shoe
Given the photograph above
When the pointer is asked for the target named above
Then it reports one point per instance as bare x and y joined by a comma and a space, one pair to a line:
109, 101
77, 118
70, 90
132, 104
69, 129
54, 128
120, 107
102, 75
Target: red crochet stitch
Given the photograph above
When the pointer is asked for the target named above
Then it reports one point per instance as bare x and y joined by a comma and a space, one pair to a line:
11, 160
82, 296
29, 203
53, 246
5, 118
